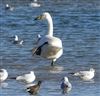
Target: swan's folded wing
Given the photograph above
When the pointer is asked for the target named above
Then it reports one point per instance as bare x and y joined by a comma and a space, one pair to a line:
37, 50
50, 51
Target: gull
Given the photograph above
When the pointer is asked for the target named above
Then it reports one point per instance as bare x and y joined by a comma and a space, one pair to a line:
3, 75
49, 47
27, 78
38, 38
17, 41
21, 42
66, 85
85, 75
34, 89
35, 4
8, 7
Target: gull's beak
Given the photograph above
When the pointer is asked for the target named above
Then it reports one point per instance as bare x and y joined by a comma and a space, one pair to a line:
38, 17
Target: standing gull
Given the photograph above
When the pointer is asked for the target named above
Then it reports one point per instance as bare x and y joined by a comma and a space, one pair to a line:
85, 75
49, 47
66, 85
3, 75
27, 78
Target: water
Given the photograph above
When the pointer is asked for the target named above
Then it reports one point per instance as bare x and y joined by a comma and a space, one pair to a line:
76, 22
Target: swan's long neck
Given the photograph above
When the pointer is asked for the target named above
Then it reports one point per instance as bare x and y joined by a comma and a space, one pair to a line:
50, 26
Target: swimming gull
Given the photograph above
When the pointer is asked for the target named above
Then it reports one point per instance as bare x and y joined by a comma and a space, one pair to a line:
35, 4
3, 75
66, 85
85, 75
17, 41
8, 7
27, 78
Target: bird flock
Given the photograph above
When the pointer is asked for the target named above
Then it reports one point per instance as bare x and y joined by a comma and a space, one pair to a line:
30, 77
49, 47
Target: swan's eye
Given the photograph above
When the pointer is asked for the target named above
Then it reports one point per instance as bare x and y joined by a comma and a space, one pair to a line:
39, 17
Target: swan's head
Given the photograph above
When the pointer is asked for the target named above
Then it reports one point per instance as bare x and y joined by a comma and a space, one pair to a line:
45, 15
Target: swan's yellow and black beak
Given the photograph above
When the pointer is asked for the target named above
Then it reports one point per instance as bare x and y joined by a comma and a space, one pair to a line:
39, 17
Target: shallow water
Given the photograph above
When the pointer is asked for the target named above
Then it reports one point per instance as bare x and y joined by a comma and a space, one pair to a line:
76, 22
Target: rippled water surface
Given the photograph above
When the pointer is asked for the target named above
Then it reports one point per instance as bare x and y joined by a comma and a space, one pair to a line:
76, 22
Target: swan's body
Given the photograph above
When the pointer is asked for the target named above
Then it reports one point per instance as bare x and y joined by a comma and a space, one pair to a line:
49, 47
66, 85
3, 75
85, 75
27, 78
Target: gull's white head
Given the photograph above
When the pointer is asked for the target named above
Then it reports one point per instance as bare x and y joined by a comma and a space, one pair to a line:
65, 79
92, 69
7, 5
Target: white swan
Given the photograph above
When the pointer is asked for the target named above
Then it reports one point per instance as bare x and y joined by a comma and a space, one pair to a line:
49, 47
27, 78
3, 75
